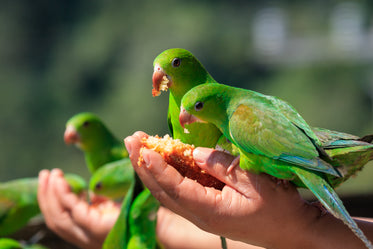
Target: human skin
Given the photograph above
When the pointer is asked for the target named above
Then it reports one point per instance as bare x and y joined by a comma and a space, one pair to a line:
251, 208
86, 226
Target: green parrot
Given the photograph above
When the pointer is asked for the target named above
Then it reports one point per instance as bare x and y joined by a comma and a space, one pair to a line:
119, 235
136, 224
106, 156
112, 172
143, 214
7, 243
99, 145
272, 138
113, 179
179, 71
18, 201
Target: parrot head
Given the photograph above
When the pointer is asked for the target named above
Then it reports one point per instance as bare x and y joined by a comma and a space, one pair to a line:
113, 179
205, 103
85, 130
178, 70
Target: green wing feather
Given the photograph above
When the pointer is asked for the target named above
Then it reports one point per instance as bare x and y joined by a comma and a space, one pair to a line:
142, 221
263, 131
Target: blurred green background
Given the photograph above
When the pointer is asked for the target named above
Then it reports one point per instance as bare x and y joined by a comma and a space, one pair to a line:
58, 58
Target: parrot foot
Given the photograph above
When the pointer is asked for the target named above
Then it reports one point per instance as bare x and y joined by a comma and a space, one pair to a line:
281, 182
234, 164
322, 209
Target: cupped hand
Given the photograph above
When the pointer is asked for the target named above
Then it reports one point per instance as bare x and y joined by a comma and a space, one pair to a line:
71, 216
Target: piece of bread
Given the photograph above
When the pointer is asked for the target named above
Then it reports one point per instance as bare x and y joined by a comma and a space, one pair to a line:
180, 156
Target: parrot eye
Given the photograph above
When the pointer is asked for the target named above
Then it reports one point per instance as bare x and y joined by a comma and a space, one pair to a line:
176, 62
198, 106
98, 186
86, 124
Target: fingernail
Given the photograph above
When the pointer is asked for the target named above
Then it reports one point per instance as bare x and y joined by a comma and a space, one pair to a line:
146, 158
128, 145
200, 155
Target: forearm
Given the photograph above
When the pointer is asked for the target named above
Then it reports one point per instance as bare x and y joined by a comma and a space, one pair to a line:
324, 232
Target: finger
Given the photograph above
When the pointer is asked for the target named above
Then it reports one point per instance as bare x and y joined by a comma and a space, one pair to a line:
133, 144
249, 184
51, 203
183, 191
42, 189
60, 207
136, 137
69, 201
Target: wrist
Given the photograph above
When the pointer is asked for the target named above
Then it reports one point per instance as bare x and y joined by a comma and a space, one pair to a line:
300, 230
317, 230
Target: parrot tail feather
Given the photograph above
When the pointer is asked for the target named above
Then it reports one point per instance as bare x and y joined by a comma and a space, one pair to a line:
329, 198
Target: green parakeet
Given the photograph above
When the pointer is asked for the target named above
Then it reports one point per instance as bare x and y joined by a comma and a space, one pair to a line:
179, 71
106, 156
18, 201
99, 145
136, 224
119, 235
113, 179
272, 138
112, 172
142, 221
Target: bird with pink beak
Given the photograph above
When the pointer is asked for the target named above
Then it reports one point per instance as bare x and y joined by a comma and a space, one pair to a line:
178, 71
99, 145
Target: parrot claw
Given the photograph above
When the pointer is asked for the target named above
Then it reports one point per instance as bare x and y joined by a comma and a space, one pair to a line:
322, 209
234, 164
281, 182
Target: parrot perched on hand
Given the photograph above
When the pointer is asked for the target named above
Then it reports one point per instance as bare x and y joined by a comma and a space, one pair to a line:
106, 156
99, 145
272, 138
112, 180
179, 71
107, 159
18, 201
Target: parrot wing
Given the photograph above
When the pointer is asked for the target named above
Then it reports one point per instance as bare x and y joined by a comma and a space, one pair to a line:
265, 131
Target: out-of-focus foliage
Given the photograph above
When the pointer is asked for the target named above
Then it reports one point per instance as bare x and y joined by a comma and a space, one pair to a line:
61, 58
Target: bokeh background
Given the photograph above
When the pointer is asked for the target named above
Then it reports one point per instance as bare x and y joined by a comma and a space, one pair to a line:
58, 58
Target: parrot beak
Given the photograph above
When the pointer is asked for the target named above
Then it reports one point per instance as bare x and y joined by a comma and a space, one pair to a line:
161, 81
187, 118
71, 136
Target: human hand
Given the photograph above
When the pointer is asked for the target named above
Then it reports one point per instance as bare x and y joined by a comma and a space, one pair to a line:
87, 226
71, 216
251, 208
